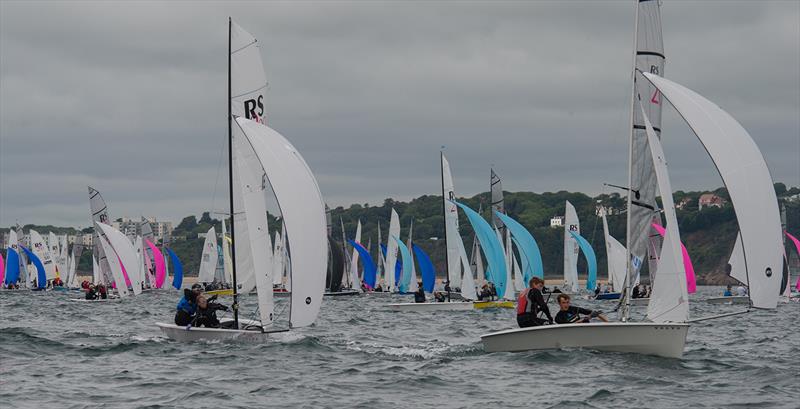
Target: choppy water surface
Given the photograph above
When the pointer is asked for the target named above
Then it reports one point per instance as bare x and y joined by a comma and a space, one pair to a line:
55, 353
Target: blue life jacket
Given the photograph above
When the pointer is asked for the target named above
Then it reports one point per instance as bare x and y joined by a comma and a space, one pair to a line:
188, 307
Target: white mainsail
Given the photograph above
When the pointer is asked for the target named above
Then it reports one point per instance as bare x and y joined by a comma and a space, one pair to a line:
99, 213
113, 263
644, 209
571, 248
209, 258
248, 81
279, 257
413, 286
95, 271
54, 246
253, 187
126, 253
669, 300
457, 262
140, 256
302, 211
391, 252
42, 250
355, 282
498, 203
226, 254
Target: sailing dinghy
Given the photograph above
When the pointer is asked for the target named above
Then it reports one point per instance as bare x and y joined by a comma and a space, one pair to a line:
262, 158
746, 176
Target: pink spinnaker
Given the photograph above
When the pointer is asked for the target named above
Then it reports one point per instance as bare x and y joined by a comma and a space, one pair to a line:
125, 274
2, 269
797, 247
158, 258
691, 282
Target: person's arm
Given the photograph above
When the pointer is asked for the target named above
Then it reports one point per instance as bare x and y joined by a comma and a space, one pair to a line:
584, 311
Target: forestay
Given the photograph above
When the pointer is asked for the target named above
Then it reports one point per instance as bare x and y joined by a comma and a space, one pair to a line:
746, 176
303, 212
669, 300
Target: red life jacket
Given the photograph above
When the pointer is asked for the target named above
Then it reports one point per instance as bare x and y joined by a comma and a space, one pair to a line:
523, 303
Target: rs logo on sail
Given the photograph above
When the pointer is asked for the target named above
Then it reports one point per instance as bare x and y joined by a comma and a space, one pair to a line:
250, 107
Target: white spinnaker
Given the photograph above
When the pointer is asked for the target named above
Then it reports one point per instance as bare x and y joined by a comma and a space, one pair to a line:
391, 252
63, 246
669, 300
354, 280
644, 209
480, 272
746, 176
72, 281
42, 250
615, 255
140, 255
452, 235
209, 258
226, 255
519, 281
248, 81
254, 187
509, 293
99, 213
126, 253
571, 248
303, 212
113, 264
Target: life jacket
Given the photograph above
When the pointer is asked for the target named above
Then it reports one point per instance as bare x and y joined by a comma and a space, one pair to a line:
524, 305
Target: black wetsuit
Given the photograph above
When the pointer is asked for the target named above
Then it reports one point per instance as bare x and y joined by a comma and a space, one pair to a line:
419, 296
91, 294
536, 303
571, 315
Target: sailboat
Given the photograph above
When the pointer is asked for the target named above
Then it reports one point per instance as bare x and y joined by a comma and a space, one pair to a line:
571, 248
209, 257
259, 156
747, 178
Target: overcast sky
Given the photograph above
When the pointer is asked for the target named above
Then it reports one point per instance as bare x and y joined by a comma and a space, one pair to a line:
130, 98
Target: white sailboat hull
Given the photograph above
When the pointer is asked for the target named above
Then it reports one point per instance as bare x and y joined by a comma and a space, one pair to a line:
736, 299
667, 340
192, 334
431, 306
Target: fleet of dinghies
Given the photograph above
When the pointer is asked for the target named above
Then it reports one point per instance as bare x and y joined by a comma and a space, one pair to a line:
302, 262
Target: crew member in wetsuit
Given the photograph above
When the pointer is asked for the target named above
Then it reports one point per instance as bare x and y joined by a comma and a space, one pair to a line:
419, 296
447, 289
571, 314
91, 294
103, 291
530, 303
207, 312
187, 306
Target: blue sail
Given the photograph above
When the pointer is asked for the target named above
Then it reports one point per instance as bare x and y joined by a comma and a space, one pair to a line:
426, 268
528, 246
527, 271
591, 260
491, 247
12, 266
41, 277
405, 276
366, 260
177, 269
398, 265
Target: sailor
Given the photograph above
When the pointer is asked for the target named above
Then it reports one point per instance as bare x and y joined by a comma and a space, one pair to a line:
728, 292
91, 294
572, 314
530, 303
207, 312
103, 291
741, 291
635, 293
187, 306
419, 296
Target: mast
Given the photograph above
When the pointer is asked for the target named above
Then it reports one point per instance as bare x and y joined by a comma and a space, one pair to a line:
235, 305
444, 215
628, 265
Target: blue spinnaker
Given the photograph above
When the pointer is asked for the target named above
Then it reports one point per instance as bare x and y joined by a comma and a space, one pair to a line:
426, 268
491, 247
527, 246
366, 261
405, 276
41, 276
398, 265
12, 266
591, 260
177, 269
